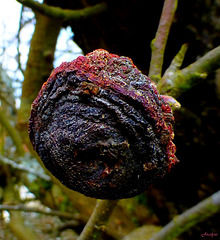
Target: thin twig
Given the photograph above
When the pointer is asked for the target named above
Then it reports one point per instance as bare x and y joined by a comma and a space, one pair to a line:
16, 223
159, 43
189, 218
50, 212
24, 168
172, 69
98, 219
18, 39
64, 14
4, 97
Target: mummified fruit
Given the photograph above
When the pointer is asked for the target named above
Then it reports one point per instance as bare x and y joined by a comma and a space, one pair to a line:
100, 126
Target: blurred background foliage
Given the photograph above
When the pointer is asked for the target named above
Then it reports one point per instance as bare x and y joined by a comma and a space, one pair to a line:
126, 28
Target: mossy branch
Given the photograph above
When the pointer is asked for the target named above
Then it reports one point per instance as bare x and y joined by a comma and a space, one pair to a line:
98, 219
189, 218
175, 65
159, 43
64, 14
182, 80
177, 62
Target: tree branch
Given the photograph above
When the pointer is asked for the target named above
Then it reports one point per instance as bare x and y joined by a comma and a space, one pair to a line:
50, 212
98, 219
172, 69
64, 14
159, 43
16, 224
18, 39
24, 168
182, 80
189, 218
4, 97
